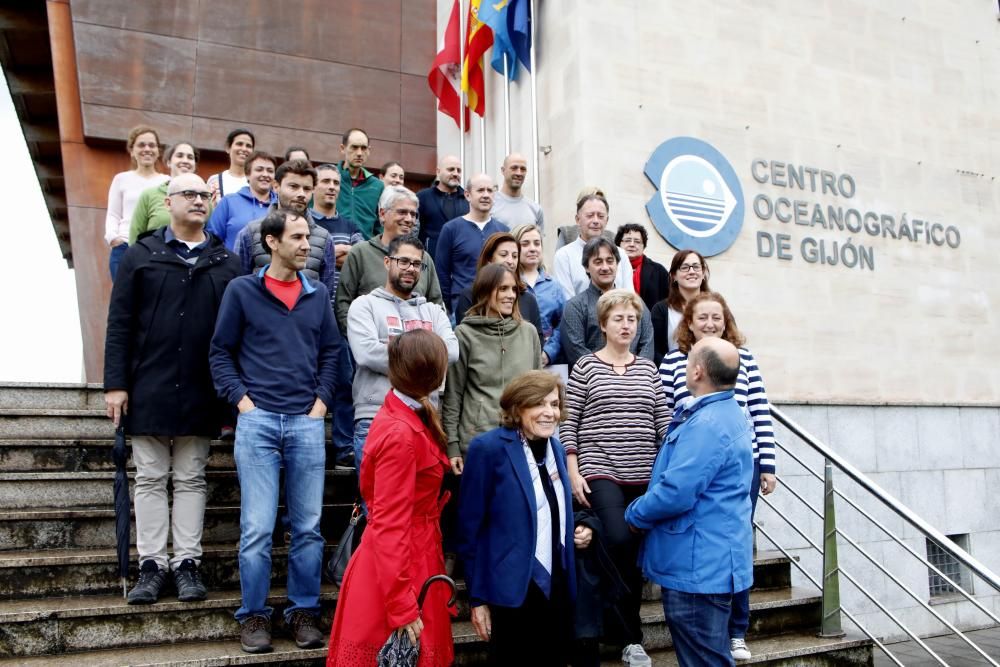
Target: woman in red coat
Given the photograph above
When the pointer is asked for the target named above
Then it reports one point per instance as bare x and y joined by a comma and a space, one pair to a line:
402, 468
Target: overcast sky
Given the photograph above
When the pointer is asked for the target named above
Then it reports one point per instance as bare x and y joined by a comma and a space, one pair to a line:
40, 327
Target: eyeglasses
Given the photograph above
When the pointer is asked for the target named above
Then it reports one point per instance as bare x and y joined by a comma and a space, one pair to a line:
406, 263
687, 268
407, 213
190, 195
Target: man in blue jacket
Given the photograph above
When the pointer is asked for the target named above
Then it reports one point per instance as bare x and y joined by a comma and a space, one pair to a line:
699, 494
274, 356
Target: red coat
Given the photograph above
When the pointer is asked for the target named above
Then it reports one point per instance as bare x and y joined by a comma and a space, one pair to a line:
401, 473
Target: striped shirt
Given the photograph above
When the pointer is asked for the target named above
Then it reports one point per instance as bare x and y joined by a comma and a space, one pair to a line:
750, 395
616, 422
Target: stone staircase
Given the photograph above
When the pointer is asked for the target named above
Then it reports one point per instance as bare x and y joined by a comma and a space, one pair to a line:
61, 600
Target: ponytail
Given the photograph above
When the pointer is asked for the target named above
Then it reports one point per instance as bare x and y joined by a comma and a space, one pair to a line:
418, 361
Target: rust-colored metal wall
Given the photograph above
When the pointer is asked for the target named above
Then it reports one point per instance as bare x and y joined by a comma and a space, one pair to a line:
297, 72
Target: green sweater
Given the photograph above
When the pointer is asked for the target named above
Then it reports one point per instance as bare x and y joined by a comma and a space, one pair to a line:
151, 212
364, 270
492, 351
360, 202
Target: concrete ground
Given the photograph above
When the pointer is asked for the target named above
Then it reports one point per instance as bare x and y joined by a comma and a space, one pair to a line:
951, 648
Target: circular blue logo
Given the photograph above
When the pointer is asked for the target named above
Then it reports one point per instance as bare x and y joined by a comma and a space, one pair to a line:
698, 202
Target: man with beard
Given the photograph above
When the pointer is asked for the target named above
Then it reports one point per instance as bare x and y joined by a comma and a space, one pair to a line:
580, 331
510, 206
385, 312
444, 200
365, 267
462, 239
274, 357
156, 376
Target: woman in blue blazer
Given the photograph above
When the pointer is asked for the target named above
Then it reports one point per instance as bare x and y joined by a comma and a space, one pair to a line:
516, 528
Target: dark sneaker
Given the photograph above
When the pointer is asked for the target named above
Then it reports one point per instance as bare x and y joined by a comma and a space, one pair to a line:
304, 630
344, 463
227, 434
151, 581
255, 635
187, 579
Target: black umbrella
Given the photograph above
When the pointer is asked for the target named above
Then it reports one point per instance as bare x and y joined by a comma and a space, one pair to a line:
123, 508
397, 650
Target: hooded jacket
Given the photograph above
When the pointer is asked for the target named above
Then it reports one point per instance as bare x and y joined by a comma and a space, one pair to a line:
235, 212
492, 351
364, 271
372, 320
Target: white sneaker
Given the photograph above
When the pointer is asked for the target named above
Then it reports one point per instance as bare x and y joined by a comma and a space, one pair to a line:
738, 647
634, 655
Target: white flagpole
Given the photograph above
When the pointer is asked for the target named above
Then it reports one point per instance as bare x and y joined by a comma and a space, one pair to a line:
461, 92
534, 105
482, 143
506, 106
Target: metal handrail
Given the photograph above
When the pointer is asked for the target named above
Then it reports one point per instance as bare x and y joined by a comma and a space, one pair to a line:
898, 540
888, 500
909, 591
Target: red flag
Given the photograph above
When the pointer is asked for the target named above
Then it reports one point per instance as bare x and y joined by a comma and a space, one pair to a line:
478, 39
445, 71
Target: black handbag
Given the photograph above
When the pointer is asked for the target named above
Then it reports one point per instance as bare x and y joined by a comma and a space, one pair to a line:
337, 565
397, 650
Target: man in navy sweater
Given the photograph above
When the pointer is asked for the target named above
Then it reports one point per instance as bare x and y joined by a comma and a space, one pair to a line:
457, 251
274, 356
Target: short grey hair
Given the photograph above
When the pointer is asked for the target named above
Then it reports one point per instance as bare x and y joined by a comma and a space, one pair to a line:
393, 193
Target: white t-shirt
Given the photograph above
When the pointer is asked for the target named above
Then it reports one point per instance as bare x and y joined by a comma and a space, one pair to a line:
231, 184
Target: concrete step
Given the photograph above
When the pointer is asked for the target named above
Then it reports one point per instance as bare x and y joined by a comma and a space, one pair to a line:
187, 654
74, 572
68, 396
54, 626
792, 650
24, 490
79, 455
94, 527
51, 423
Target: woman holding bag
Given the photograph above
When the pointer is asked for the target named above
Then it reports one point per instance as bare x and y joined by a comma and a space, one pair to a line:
400, 478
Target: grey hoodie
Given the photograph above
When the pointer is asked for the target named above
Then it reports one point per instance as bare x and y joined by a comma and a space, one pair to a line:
371, 321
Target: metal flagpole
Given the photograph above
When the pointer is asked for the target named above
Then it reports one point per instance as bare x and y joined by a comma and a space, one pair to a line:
506, 106
534, 105
482, 142
461, 91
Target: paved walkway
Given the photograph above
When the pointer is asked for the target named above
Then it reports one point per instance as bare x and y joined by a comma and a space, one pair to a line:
951, 648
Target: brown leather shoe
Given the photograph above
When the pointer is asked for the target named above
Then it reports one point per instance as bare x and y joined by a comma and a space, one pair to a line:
304, 630
255, 635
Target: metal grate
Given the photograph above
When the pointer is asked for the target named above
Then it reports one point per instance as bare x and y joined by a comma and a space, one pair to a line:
947, 563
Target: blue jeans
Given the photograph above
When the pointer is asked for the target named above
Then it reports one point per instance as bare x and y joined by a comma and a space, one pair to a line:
342, 410
697, 623
115, 258
266, 441
361, 427
739, 622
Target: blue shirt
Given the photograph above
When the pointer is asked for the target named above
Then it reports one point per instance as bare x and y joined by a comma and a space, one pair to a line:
187, 253
551, 301
696, 508
282, 359
457, 253
235, 212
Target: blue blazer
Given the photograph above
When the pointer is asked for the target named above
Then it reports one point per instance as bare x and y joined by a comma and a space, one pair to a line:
497, 520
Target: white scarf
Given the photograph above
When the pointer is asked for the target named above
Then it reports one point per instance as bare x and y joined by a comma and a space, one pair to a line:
543, 537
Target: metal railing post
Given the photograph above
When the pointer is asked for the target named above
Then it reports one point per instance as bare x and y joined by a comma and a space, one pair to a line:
830, 625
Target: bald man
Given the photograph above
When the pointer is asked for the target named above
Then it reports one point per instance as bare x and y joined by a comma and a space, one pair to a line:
158, 383
510, 206
443, 201
462, 239
700, 491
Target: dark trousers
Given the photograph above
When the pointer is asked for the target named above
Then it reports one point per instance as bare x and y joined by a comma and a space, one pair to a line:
539, 632
342, 410
739, 621
697, 623
115, 258
609, 500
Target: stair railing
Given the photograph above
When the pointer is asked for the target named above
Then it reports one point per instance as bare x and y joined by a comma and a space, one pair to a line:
830, 584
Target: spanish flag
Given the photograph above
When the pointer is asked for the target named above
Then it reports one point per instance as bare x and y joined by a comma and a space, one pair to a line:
478, 39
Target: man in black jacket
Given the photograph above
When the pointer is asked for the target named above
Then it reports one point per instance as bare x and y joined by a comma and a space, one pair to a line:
157, 378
